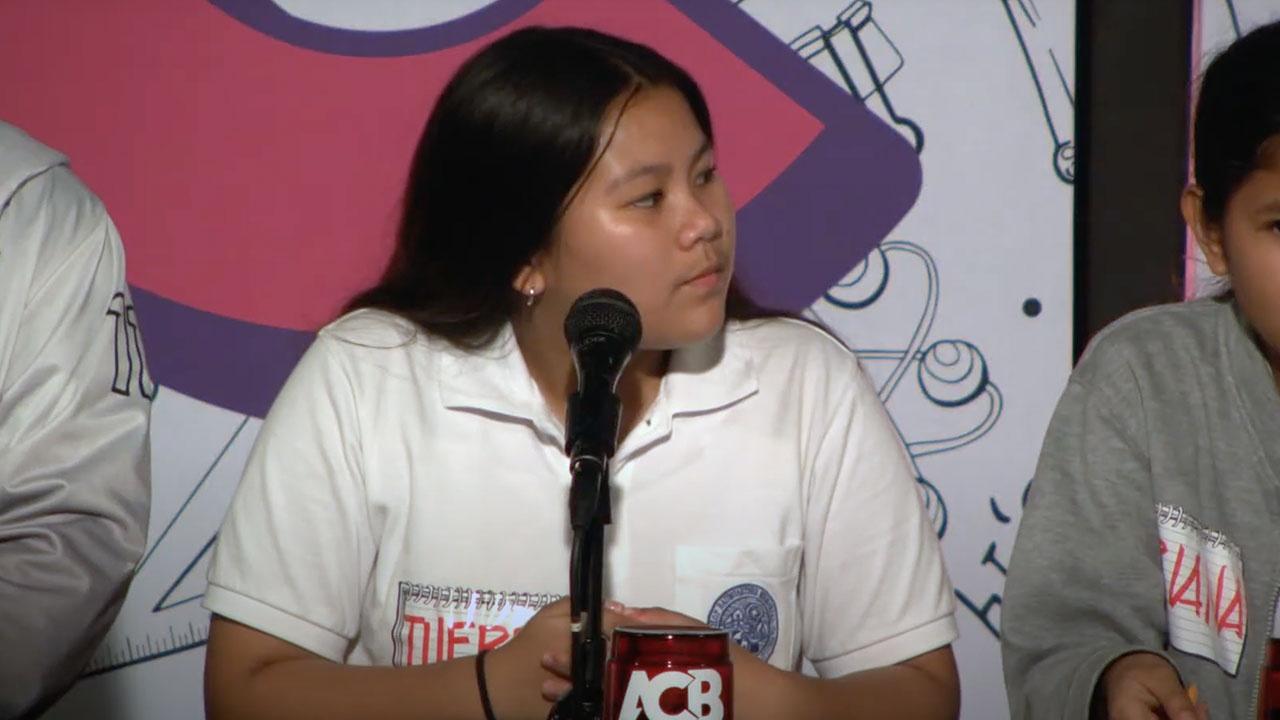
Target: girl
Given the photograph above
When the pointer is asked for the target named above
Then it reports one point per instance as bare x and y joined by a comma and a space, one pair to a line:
403, 515
1147, 556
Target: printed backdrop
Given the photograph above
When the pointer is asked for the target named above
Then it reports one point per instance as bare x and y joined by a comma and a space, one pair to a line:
902, 172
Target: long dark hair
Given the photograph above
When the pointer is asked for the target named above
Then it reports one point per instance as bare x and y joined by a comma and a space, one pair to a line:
509, 139
1237, 112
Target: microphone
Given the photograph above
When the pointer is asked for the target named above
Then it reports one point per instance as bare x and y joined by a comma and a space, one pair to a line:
603, 330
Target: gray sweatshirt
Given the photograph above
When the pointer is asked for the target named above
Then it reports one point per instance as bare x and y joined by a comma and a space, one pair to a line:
1160, 466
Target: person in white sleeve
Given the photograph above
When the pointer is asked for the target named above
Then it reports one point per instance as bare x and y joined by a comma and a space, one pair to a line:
75, 404
403, 514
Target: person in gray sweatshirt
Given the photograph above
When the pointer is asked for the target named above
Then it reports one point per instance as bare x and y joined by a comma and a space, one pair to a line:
1146, 571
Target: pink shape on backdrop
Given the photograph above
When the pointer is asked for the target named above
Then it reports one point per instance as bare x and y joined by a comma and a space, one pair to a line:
258, 180
1191, 253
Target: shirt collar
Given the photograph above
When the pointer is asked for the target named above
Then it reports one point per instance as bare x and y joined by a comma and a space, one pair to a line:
709, 376
24, 158
705, 377
495, 380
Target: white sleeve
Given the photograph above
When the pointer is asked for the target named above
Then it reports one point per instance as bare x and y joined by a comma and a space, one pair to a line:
874, 591
294, 554
74, 463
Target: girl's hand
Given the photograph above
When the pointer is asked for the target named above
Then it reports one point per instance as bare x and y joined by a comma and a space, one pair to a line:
518, 674
1144, 685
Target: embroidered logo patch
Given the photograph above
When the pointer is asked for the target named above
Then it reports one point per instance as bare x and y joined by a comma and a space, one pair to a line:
1204, 588
750, 615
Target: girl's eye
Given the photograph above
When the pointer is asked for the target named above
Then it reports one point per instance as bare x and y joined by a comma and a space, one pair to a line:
706, 176
648, 201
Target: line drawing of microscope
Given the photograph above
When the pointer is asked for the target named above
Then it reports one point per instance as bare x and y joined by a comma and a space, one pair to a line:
1235, 17
855, 49
1053, 89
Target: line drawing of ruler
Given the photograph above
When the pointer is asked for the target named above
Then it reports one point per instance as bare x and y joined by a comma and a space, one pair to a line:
198, 451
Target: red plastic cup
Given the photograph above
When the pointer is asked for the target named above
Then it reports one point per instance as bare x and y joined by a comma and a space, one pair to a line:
669, 673
1269, 703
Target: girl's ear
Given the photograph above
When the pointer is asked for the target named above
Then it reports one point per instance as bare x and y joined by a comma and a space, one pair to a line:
529, 281
1208, 234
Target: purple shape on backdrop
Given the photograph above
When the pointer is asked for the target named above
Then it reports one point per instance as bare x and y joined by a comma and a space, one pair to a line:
229, 363
842, 195
270, 19
840, 198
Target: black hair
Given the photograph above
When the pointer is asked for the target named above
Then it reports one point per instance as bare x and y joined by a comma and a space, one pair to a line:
510, 138
1237, 112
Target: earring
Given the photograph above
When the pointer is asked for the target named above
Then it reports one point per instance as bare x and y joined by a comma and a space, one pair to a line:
531, 297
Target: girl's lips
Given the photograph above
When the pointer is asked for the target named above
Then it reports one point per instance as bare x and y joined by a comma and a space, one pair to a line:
708, 274
707, 280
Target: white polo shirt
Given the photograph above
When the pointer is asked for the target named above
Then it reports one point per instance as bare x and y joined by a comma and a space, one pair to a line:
406, 502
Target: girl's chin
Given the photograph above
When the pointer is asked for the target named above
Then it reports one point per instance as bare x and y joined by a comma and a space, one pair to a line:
686, 336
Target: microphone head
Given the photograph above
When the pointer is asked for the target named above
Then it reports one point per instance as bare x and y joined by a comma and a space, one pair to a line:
603, 312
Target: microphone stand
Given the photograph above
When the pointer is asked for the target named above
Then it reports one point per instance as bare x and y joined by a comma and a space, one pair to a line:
591, 424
